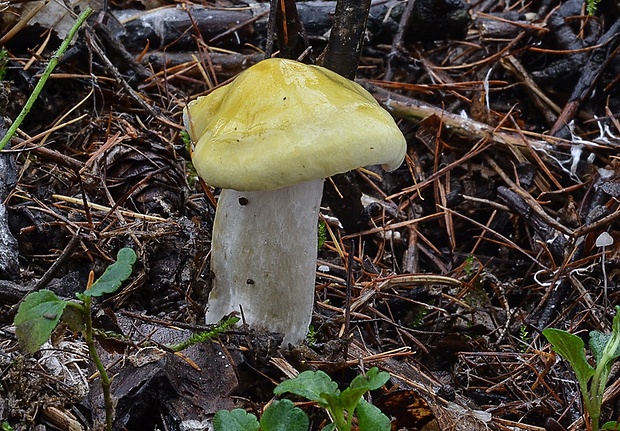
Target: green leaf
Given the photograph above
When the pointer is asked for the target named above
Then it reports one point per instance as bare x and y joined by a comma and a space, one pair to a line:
611, 426
36, 318
114, 275
310, 385
74, 317
235, 420
598, 341
350, 397
282, 415
571, 347
615, 332
373, 379
333, 404
370, 418
329, 427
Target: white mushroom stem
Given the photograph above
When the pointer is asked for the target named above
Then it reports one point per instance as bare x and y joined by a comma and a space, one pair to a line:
263, 258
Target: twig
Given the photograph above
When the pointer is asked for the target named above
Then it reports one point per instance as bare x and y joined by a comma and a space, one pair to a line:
98, 207
64, 257
398, 39
342, 55
349, 286
271, 28
119, 78
343, 51
592, 72
531, 202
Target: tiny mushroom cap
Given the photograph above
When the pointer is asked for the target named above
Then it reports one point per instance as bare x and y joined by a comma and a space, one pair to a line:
298, 123
604, 239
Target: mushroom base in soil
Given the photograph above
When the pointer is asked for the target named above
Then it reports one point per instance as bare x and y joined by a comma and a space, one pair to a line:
264, 249
268, 139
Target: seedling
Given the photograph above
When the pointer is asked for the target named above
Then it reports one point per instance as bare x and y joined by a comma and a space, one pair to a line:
311, 337
201, 337
41, 311
605, 348
524, 338
4, 59
592, 6
318, 387
322, 234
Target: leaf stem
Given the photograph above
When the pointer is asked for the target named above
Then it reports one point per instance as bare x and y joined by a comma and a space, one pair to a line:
105, 379
339, 420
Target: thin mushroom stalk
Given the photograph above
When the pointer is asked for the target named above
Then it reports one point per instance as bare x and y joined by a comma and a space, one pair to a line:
268, 139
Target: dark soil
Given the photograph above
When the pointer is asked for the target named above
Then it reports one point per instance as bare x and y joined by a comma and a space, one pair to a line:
483, 238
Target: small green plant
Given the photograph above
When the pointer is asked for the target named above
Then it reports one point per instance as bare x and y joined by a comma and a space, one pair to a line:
591, 6
418, 314
281, 415
4, 58
477, 296
322, 234
524, 338
187, 140
318, 387
201, 337
311, 336
469, 266
6, 427
41, 311
605, 348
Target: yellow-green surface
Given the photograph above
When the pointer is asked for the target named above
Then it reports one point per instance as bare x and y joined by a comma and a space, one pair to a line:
281, 122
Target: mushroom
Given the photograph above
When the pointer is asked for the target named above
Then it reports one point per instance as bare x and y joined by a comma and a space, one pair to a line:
604, 240
268, 139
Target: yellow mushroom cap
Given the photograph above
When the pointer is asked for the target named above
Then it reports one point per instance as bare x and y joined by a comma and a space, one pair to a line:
282, 122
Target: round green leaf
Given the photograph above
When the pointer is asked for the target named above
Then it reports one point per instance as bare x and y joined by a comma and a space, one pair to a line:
282, 415
370, 418
234, 420
311, 385
36, 318
114, 275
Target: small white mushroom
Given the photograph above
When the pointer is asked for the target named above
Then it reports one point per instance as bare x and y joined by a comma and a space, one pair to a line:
604, 240
268, 139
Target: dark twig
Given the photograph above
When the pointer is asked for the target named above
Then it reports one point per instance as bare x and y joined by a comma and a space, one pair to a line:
292, 39
343, 51
347, 307
95, 46
271, 27
64, 257
342, 56
398, 39
590, 76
